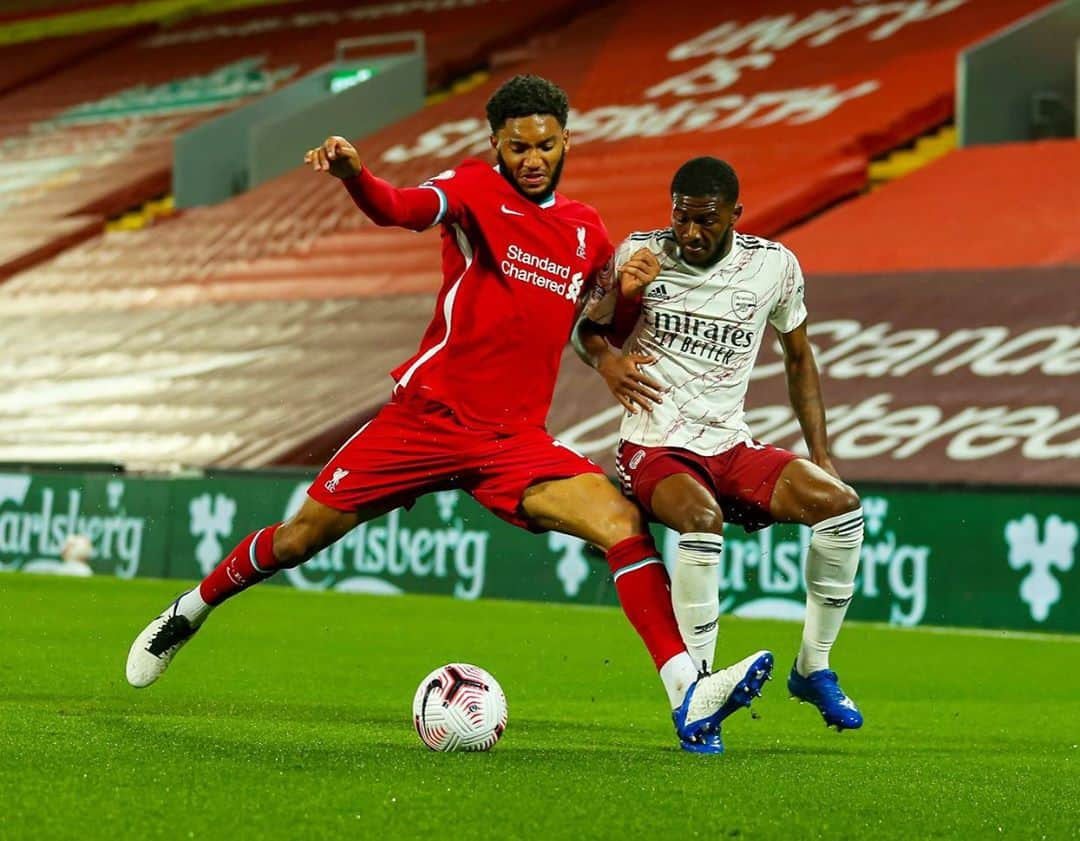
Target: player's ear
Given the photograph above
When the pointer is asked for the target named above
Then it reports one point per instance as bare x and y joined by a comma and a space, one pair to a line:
736, 213
566, 139
494, 141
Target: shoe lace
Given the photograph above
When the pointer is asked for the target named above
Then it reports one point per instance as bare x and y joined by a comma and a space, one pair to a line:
174, 630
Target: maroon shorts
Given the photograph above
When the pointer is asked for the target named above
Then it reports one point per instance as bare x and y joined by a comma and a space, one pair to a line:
410, 449
742, 478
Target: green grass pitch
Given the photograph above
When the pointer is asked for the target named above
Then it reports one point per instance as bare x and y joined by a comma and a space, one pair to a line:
289, 717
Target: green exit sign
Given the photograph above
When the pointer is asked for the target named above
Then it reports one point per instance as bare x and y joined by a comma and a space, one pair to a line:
344, 79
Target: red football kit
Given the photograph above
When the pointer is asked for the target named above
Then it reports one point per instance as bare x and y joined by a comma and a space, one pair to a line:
469, 408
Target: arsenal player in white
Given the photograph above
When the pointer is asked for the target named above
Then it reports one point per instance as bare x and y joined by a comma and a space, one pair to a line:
692, 304
468, 410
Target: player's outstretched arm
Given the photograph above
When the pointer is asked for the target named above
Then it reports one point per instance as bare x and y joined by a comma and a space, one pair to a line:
804, 391
414, 208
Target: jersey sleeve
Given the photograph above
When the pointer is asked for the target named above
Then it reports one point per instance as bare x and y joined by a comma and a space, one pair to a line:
600, 308
415, 208
607, 306
789, 311
453, 188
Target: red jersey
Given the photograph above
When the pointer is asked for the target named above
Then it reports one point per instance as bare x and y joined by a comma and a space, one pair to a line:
514, 275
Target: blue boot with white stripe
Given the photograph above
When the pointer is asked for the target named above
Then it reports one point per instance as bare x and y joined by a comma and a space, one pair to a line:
713, 697
822, 689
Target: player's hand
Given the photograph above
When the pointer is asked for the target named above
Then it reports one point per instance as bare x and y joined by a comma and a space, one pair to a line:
637, 273
336, 156
633, 388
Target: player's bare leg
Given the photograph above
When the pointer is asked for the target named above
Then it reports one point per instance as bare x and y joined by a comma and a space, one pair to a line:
591, 508
258, 556
682, 503
809, 495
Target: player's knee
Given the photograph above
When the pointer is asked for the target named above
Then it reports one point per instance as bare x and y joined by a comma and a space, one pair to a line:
700, 518
622, 520
840, 499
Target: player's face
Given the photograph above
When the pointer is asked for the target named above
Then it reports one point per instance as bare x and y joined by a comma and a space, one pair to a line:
703, 226
531, 152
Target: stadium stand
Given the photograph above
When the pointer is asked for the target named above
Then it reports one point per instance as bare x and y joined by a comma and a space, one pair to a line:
116, 110
788, 101
24, 63
954, 215
225, 384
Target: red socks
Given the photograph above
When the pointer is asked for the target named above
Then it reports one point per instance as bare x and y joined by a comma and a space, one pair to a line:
645, 593
640, 579
249, 563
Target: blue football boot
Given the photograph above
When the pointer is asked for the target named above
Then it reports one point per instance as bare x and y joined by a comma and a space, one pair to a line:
822, 689
707, 741
713, 697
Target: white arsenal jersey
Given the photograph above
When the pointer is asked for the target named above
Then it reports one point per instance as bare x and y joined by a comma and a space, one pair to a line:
704, 326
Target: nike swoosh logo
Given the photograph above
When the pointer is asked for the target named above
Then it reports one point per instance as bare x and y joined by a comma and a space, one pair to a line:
510, 212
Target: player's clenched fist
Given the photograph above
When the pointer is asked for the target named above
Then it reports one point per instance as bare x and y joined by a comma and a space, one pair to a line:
638, 272
336, 156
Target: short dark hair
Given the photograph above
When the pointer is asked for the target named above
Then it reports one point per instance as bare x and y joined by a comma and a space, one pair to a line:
524, 95
706, 176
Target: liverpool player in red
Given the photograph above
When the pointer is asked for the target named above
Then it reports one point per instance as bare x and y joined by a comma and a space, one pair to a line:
468, 409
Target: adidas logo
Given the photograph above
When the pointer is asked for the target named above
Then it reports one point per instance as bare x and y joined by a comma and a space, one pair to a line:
657, 293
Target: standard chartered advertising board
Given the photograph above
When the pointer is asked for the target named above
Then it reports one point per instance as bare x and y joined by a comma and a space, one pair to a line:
996, 559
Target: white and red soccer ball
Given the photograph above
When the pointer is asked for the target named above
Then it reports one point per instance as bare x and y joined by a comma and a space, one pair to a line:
459, 707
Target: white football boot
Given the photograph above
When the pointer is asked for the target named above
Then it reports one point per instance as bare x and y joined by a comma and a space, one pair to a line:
713, 697
155, 647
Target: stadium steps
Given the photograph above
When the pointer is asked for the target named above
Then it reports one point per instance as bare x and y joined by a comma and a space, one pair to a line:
458, 87
135, 219
912, 157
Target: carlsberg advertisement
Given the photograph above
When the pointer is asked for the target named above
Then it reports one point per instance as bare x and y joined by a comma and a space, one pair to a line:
986, 558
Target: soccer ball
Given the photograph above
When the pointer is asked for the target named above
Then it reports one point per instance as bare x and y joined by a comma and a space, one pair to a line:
459, 707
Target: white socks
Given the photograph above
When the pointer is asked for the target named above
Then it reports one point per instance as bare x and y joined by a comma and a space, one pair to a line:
677, 674
831, 564
193, 607
695, 594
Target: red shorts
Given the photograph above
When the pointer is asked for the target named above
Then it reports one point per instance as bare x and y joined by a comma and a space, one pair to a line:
741, 479
411, 449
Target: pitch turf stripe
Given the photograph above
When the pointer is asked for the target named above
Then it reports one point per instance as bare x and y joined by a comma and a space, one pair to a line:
1028, 636
634, 567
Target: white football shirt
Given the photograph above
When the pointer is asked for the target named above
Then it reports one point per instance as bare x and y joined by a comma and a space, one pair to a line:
704, 326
